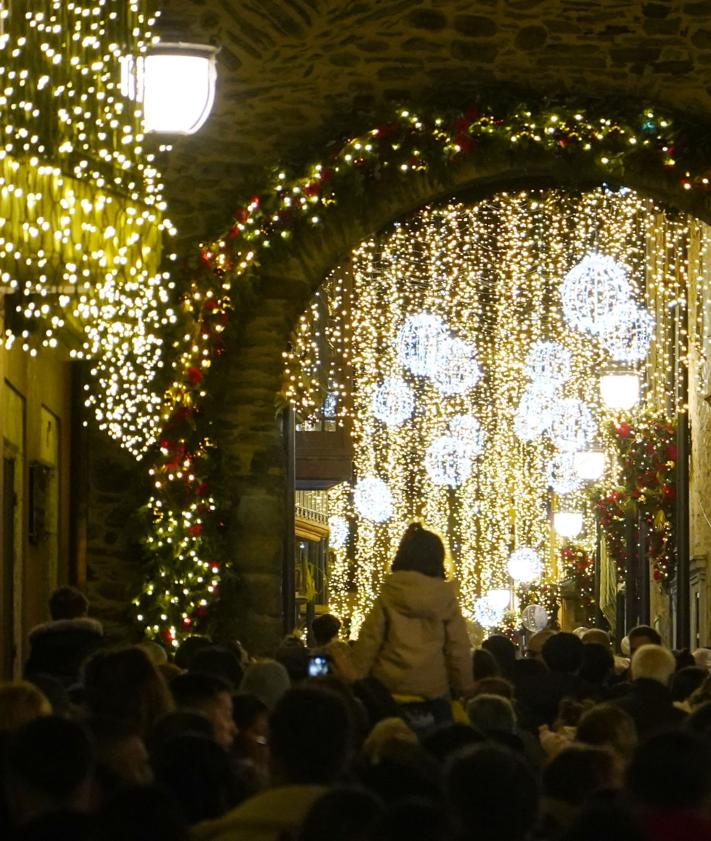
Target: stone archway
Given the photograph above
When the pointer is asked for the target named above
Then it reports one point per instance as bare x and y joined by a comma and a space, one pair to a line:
254, 456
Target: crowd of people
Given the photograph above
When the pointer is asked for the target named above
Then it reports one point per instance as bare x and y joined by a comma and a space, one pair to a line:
405, 734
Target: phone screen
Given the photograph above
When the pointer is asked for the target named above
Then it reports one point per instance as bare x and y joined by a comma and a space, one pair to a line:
318, 665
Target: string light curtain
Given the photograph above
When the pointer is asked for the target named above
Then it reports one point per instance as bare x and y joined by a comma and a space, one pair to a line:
492, 273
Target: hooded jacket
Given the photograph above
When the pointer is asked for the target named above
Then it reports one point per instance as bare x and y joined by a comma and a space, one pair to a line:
414, 640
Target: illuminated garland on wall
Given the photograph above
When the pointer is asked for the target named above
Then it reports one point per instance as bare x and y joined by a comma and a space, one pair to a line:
81, 210
282, 215
578, 568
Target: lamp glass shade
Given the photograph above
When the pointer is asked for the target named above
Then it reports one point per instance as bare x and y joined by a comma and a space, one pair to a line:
568, 523
590, 465
500, 597
620, 390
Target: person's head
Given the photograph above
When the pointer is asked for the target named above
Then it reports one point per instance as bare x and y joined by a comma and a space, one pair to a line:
653, 662
125, 684
155, 653
68, 603
579, 771
251, 717
683, 658
491, 713
197, 771
535, 644
493, 794
642, 635
503, 651
414, 818
494, 686
597, 662
294, 657
607, 725
346, 814
178, 723
403, 769
188, 648
671, 770
121, 755
387, 730
420, 550
19, 703
54, 691
686, 681
219, 662
562, 652
325, 628
49, 768
267, 679
596, 636
212, 697
702, 695
484, 664
310, 736
448, 739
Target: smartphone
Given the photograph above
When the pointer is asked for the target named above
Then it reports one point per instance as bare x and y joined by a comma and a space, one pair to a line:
318, 665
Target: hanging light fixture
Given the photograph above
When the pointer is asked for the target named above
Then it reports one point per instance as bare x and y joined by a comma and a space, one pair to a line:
590, 465
175, 82
568, 523
620, 389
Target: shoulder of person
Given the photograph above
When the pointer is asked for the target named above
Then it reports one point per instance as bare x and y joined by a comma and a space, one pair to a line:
81, 625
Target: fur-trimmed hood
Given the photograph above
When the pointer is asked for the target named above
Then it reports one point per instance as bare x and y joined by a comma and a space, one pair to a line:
83, 624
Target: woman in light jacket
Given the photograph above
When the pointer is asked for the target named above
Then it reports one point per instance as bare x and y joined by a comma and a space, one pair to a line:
414, 640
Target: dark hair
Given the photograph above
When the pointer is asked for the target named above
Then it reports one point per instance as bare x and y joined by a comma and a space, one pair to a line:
415, 817
576, 772
405, 770
495, 686
194, 689
178, 723
448, 739
493, 793
348, 814
597, 662
484, 664
219, 662
420, 551
188, 648
68, 603
52, 755
294, 657
503, 651
563, 652
645, 631
325, 627
671, 770
310, 735
686, 681
607, 725
245, 709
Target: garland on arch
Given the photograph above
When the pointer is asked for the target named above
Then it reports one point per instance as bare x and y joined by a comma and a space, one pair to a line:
578, 567
185, 545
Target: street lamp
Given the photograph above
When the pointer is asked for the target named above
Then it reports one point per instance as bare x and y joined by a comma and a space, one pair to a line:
589, 465
568, 523
620, 389
175, 83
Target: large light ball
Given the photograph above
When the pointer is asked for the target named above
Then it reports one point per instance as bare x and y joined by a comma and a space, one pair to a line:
562, 475
448, 461
533, 415
593, 291
524, 565
548, 365
534, 618
568, 523
590, 465
373, 500
420, 343
457, 370
393, 401
629, 333
468, 429
487, 612
572, 424
338, 532
620, 390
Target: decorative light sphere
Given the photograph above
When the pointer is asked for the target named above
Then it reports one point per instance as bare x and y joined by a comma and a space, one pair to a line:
468, 429
487, 612
448, 461
338, 532
524, 565
572, 425
620, 390
534, 618
393, 401
457, 370
373, 500
568, 523
592, 292
629, 333
562, 475
500, 597
590, 465
548, 365
533, 415
420, 343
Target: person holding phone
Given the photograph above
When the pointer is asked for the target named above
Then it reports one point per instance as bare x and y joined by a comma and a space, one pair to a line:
414, 639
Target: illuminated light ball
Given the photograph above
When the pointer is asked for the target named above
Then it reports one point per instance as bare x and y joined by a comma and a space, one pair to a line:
548, 365
524, 565
592, 291
373, 500
572, 424
487, 612
468, 429
629, 334
533, 415
562, 475
393, 401
501, 597
534, 618
420, 341
448, 461
338, 532
457, 370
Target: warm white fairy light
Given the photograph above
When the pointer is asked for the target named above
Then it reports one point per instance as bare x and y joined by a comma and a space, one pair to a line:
533, 414
562, 475
592, 292
524, 565
393, 401
338, 531
548, 365
373, 499
629, 334
572, 424
420, 343
468, 429
457, 370
448, 461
